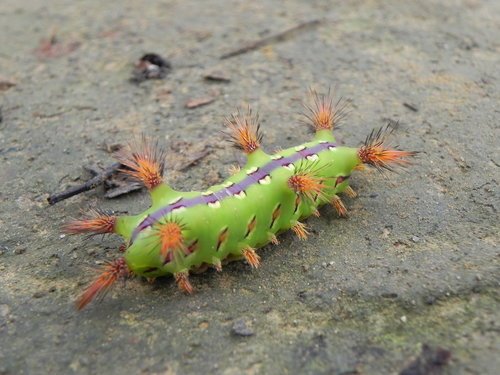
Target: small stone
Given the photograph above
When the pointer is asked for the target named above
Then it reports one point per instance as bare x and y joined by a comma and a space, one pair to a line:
415, 239
241, 328
324, 264
39, 294
404, 319
4, 310
431, 300
19, 250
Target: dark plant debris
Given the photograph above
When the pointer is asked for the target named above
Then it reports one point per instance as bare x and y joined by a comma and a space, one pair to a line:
6, 83
52, 47
275, 38
431, 361
95, 181
203, 100
150, 66
199, 102
117, 184
411, 107
187, 154
217, 76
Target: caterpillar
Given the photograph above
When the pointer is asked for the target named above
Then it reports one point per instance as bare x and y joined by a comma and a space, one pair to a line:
183, 232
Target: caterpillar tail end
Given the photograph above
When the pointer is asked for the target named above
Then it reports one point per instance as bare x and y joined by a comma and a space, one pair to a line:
96, 221
376, 152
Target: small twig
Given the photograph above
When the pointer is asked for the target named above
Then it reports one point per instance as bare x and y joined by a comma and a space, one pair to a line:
280, 37
88, 185
411, 107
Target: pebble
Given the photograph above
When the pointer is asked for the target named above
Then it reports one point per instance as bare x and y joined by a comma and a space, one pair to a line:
241, 328
19, 250
431, 300
415, 239
4, 310
39, 294
404, 319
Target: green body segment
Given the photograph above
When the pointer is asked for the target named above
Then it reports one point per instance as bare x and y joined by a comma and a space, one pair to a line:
241, 222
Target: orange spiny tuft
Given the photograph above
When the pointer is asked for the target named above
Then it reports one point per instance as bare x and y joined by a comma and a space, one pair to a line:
350, 192
217, 265
182, 280
144, 161
234, 169
324, 114
111, 272
339, 206
251, 257
305, 183
96, 221
300, 230
273, 239
244, 131
380, 157
171, 239
375, 153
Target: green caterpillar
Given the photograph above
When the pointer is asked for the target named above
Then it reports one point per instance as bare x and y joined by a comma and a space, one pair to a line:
188, 231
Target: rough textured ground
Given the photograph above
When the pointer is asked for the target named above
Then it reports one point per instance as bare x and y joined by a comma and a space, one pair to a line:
416, 262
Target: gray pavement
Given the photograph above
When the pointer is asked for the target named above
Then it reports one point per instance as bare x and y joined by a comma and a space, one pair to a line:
416, 262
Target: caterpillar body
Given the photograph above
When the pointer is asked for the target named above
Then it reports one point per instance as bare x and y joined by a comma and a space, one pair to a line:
186, 231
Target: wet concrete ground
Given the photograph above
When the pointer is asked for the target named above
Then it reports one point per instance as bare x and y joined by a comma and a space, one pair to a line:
416, 263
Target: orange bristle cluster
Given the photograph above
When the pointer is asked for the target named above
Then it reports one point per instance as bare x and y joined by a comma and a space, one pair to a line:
374, 152
244, 131
111, 272
95, 222
144, 161
171, 239
339, 206
300, 230
251, 257
182, 279
308, 185
325, 114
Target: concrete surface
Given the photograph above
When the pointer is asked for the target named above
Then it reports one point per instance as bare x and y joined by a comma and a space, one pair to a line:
416, 263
